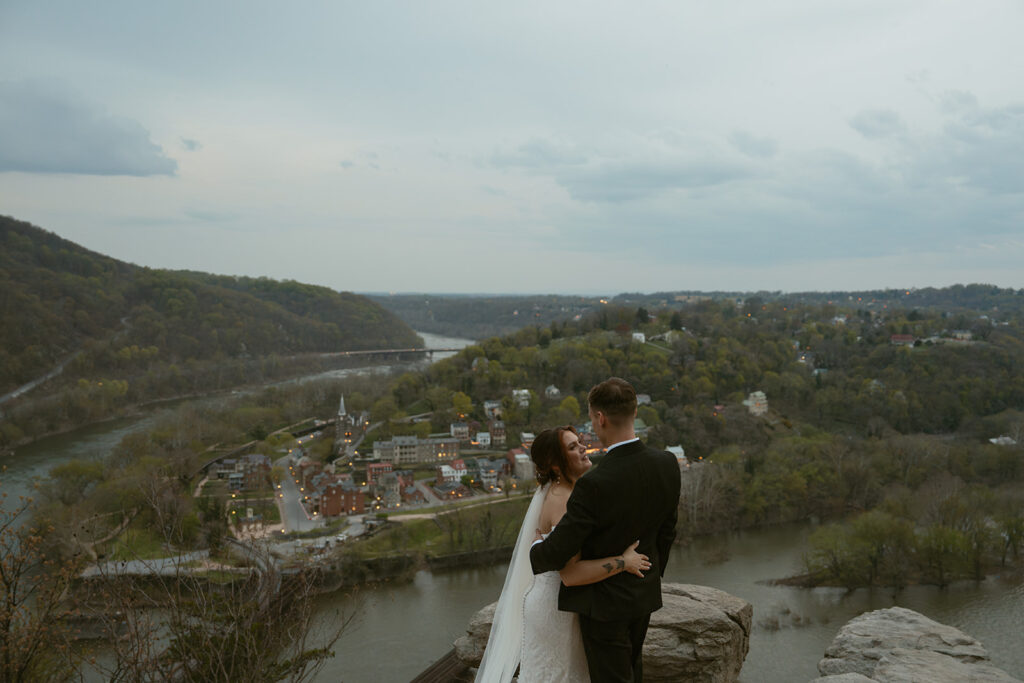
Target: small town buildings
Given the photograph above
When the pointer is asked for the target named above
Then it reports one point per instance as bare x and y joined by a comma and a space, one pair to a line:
256, 468
248, 472
488, 472
497, 431
408, 450
375, 470
643, 399
450, 490
460, 430
337, 498
757, 403
349, 426
483, 439
680, 456
526, 438
523, 467
902, 339
1003, 441
521, 397
640, 337
453, 472
492, 409
223, 468
551, 391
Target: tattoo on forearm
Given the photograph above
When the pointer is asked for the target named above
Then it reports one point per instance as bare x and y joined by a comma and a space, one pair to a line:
620, 564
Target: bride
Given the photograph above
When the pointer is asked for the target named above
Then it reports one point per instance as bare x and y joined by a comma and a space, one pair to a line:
528, 629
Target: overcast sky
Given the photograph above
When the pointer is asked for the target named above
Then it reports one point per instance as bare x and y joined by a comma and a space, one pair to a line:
574, 147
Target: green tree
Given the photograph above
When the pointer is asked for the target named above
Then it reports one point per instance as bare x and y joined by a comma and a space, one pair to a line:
462, 404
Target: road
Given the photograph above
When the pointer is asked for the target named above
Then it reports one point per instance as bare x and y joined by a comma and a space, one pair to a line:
293, 515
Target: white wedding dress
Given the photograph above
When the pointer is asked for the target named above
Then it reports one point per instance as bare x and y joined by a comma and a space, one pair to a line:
552, 646
528, 629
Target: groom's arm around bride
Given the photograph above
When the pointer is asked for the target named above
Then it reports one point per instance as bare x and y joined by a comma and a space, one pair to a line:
633, 494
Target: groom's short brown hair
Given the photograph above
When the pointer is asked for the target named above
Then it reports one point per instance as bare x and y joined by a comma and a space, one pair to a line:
616, 398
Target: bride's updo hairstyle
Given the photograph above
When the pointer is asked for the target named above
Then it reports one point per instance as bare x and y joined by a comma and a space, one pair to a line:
550, 459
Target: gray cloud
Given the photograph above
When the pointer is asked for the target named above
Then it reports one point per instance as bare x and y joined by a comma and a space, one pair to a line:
47, 129
191, 145
877, 123
752, 145
208, 216
538, 154
346, 164
648, 168
979, 148
632, 180
954, 101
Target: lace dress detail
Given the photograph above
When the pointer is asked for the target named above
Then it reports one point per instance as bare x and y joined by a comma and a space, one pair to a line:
552, 646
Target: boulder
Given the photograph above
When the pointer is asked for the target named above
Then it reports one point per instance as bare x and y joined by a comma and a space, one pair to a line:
898, 644
470, 647
700, 634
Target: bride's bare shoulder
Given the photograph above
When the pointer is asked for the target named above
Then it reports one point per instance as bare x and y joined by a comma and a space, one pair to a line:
553, 508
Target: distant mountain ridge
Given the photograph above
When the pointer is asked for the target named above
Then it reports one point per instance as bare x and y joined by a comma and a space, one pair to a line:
58, 298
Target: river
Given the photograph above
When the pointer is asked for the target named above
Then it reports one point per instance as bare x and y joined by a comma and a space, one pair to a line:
401, 628
33, 462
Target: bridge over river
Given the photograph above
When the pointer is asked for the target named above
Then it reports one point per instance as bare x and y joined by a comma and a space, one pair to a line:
390, 352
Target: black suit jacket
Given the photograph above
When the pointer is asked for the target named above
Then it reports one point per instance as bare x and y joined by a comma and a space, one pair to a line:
632, 494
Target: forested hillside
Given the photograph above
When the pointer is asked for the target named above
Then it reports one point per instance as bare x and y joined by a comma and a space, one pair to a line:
482, 316
132, 332
479, 317
891, 409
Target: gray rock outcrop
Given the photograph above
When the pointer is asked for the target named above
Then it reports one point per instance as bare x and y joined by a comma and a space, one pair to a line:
700, 634
897, 644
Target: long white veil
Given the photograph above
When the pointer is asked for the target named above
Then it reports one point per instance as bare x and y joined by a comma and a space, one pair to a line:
506, 640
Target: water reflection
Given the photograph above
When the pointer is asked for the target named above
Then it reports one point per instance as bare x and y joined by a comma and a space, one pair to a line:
793, 626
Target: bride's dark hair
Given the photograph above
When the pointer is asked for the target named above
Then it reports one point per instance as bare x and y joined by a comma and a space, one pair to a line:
549, 456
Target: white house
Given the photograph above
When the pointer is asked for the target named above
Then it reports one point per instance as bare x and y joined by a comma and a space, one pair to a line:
483, 439
522, 397
639, 337
680, 455
552, 391
524, 468
757, 403
460, 430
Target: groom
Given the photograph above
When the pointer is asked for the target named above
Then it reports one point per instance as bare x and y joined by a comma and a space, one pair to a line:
631, 495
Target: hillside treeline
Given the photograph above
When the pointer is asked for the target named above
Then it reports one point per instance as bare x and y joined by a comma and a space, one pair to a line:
854, 419
480, 317
125, 333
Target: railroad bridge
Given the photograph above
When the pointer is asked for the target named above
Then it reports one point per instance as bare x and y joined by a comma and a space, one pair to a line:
383, 353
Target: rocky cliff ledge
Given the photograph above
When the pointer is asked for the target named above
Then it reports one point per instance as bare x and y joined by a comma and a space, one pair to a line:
700, 634
897, 645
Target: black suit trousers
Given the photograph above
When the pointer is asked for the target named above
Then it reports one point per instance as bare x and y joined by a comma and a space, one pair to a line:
614, 648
